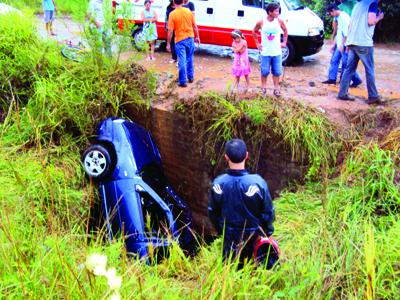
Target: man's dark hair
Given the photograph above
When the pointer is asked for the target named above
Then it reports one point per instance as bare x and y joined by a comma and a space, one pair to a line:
179, 2
236, 150
272, 6
332, 7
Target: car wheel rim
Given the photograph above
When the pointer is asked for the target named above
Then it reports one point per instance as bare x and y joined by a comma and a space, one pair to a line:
95, 163
285, 53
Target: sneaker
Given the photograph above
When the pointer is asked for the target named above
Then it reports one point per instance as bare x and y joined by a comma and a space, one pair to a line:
264, 91
191, 80
277, 93
374, 100
329, 81
346, 98
183, 85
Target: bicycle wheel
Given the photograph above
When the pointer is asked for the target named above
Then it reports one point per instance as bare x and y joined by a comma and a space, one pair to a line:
74, 53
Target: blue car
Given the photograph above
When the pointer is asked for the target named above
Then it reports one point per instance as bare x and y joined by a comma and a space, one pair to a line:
137, 200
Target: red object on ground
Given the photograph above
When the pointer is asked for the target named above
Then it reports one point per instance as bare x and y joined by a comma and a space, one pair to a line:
266, 247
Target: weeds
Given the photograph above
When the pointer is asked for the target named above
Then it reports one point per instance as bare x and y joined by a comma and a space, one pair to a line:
305, 132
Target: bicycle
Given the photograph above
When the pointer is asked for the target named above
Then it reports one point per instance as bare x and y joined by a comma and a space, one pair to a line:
75, 52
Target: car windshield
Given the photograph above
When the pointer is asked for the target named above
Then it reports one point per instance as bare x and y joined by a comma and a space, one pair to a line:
294, 4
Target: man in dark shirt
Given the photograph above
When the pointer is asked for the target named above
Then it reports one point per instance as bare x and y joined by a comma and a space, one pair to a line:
189, 4
240, 205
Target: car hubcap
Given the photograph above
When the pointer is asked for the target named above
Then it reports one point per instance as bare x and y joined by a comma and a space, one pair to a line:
95, 163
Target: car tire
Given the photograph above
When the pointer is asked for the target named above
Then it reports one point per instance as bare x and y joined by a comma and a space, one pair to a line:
138, 39
288, 54
97, 162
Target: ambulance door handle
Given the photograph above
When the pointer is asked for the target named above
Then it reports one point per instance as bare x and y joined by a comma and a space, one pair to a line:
240, 13
210, 10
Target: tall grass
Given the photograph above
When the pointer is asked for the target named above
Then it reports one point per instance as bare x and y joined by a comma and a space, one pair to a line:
75, 8
302, 130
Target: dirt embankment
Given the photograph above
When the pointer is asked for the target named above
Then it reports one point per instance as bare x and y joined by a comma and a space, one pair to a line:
302, 82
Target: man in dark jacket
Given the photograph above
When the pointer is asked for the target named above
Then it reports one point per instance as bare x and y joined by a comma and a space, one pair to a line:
240, 205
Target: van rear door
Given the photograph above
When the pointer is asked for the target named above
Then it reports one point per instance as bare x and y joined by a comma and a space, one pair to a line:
205, 19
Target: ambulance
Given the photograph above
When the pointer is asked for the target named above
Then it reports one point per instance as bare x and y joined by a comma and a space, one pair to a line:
217, 18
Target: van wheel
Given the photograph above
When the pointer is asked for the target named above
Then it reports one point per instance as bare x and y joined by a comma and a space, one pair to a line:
288, 54
138, 39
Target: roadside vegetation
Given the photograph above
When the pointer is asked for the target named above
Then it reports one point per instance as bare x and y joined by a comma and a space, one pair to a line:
74, 8
338, 234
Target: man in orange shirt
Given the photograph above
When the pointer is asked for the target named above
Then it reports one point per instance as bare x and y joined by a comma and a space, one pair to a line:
181, 20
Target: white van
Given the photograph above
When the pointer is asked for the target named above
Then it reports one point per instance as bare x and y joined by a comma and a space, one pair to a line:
217, 18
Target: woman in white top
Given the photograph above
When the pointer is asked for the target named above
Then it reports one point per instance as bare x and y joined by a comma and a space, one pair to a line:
270, 48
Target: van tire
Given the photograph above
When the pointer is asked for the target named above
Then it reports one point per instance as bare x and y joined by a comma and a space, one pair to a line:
288, 54
138, 39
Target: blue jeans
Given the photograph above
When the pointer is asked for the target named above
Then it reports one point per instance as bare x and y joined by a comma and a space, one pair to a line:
338, 56
366, 55
185, 50
273, 63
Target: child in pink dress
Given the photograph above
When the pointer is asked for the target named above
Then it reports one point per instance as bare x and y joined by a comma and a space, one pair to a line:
241, 63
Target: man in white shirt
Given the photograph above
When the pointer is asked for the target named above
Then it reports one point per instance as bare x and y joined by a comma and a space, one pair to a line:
339, 52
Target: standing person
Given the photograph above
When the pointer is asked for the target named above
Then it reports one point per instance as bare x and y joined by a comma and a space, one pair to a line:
241, 63
189, 5
102, 31
339, 51
271, 47
182, 22
346, 5
170, 9
360, 42
149, 18
49, 7
240, 205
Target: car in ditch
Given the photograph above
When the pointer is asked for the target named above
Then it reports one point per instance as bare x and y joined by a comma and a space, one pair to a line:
137, 200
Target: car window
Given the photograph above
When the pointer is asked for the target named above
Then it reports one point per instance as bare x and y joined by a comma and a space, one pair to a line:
153, 175
252, 3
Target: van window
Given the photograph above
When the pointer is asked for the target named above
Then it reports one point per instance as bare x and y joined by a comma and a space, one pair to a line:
253, 3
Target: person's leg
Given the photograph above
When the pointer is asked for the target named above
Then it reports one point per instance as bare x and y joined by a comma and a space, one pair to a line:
276, 66
173, 52
189, 59
47, 21
152, 46
181, 54
247, 82
348, 73
356, 79
334, 66
366, 55
265, 67
236, 84
51, 22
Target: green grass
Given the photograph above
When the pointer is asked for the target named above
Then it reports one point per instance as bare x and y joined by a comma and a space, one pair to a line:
349, 248
75, 8
305, 132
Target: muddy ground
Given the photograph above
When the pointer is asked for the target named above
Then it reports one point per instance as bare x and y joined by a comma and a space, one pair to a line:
301, 82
